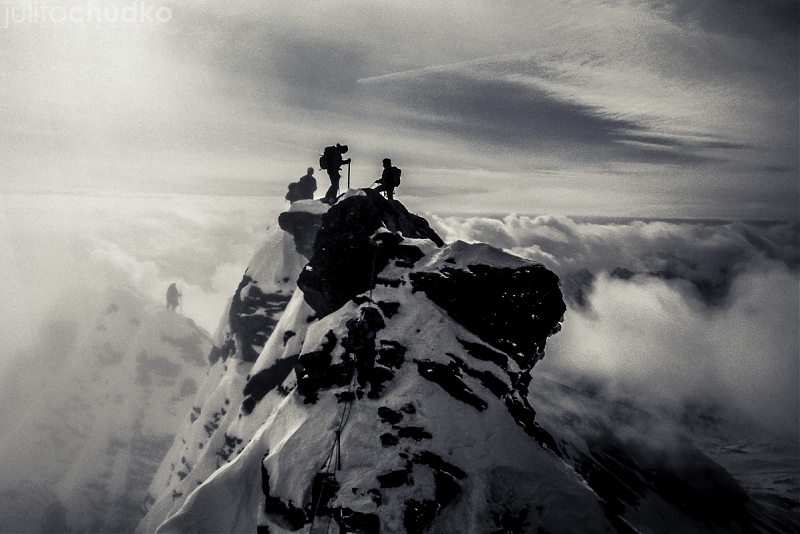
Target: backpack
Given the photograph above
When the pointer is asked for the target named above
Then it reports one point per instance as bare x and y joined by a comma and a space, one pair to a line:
294, 192
325, 158
396, 173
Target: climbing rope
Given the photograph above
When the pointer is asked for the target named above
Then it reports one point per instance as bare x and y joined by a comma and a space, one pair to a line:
345, 416
336, 447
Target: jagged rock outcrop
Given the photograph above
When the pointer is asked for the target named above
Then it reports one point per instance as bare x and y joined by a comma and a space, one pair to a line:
302, 221
357, 239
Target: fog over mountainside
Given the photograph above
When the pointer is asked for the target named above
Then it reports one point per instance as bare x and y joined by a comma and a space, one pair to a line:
677, 309
89, 412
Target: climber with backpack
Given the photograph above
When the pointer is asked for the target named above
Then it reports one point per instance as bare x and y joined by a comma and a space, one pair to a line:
389, 179
304, 188
331, 161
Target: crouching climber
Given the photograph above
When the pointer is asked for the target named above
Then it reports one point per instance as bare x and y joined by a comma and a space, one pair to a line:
304, 188
389, 179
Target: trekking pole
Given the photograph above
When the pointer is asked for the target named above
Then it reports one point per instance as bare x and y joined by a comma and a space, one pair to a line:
348, 176
180, 303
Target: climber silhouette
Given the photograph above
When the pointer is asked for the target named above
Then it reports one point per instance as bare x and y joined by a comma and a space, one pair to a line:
308, 184
304, 188
173, 297
389, 179
331, 160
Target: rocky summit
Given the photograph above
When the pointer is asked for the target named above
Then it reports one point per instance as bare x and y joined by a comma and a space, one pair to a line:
369, 378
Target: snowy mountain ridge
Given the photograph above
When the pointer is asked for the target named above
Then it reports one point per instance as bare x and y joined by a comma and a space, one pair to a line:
388, 391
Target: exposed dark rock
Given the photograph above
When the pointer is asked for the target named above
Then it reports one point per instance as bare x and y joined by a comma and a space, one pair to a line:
524, 415
413, 432
350, 521
391, 354
347, 258
229, 446
622, 273
303, 226
268, 379
512, 309
286, 515
248, 405
447, 377
436, 463
393, 479
345, 396
489, 381
389, 309
287, 336
389, 282
376, 495
314, 370
377, 378
389, 440
407, 255
252, 317
447, 488
408, 408
512, 522
417, 515
324, 488
222, 353
389, 416
484, 353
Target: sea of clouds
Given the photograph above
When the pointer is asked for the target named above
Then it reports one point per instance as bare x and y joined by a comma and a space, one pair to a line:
673, 310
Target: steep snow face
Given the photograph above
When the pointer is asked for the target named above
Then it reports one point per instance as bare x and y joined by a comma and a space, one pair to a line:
213, 431
387, 413
81, 454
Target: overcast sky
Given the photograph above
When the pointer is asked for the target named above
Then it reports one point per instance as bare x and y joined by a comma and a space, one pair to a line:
630, 107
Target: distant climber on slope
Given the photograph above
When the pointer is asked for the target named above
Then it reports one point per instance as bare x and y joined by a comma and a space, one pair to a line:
304, 188
173, 297
331, 160
389, 179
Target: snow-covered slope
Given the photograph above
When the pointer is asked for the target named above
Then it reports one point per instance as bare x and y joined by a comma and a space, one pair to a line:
212, 432
98, 415
393, 396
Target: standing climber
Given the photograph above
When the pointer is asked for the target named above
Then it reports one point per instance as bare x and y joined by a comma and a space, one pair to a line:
307, 185
389, 179
331, 160
173, 297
